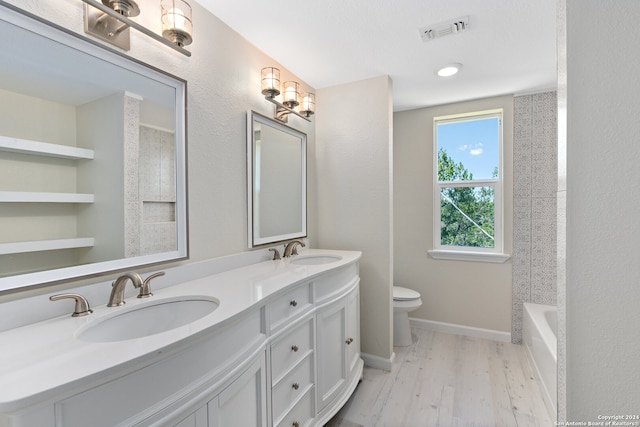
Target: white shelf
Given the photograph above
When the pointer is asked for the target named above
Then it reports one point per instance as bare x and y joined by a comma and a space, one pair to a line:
25, 146
45, 245
41, 197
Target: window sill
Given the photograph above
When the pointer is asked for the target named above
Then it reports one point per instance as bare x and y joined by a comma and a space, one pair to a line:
469, 256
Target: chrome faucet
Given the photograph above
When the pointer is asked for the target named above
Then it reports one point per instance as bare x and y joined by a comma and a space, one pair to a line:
291, 248
117, 288
145, 290
82, 307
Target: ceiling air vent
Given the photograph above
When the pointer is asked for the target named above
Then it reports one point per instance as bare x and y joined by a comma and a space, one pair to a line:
455, 26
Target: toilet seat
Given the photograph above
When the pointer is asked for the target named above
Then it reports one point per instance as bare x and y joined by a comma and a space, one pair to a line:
404, 294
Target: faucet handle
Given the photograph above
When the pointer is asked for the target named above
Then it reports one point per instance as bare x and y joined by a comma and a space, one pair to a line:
145, 289
276, 254
294, 250
82, 305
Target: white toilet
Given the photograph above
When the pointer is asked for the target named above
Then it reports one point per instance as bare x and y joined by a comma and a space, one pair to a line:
404, 301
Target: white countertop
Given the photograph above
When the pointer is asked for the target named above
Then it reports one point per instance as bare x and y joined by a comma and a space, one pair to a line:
44, 356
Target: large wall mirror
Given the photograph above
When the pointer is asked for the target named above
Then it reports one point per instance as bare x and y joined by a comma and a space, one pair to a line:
92, 157
277, 181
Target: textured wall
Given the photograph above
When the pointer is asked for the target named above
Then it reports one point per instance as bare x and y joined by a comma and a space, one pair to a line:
535, 185
354, 159
223, 76
602, 230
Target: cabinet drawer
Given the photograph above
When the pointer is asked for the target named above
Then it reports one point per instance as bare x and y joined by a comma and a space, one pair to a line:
290, 305
289, 389
290, 349
301, 415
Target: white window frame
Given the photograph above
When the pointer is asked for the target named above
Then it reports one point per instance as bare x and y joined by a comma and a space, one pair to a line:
468, 253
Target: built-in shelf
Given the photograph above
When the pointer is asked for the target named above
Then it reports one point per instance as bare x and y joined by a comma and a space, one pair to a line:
44, 197
26, 146
45, 245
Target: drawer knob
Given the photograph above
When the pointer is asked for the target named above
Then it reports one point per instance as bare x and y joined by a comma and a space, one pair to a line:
296, 424
349, 341
295, 386
294, 348
293, 303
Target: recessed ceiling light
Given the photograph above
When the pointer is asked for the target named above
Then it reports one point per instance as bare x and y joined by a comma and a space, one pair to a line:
449, 70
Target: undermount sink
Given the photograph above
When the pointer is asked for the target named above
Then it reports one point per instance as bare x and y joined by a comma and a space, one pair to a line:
149, 319
315, 259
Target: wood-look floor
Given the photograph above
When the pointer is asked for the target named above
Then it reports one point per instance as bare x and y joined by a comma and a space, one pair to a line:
448, 380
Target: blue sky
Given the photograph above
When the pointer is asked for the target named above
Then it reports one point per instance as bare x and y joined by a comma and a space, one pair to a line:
474, 143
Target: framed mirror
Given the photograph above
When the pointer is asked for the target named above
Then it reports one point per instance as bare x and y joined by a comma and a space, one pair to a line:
92, 157
277, 181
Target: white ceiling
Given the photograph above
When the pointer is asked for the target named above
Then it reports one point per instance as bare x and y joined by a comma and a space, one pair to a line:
510, 46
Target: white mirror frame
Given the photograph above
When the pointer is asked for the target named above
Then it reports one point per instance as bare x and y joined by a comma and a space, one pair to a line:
253, 239
35, 24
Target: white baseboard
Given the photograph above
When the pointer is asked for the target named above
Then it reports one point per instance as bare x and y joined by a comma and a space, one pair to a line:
469, 331
377, 362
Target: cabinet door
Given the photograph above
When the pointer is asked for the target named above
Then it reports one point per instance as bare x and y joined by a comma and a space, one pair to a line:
332, 372
243, 403
353, 330
197, 419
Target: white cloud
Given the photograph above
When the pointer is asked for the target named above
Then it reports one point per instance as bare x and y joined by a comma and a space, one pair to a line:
474, 149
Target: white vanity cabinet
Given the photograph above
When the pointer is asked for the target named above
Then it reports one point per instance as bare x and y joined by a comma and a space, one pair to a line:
293, 374
338, 346
285, 353
241, 403
244, 402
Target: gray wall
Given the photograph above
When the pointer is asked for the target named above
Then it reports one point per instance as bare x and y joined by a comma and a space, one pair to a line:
476, 294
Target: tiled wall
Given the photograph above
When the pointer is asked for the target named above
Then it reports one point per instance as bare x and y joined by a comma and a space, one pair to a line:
535, 182
131, 165
157, 183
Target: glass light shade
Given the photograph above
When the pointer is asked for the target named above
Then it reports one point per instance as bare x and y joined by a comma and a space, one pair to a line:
308, 106
128, 8
291, 94
270, 81
176, 22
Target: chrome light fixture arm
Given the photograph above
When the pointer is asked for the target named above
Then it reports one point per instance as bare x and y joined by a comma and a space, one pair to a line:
282, 111
129, 23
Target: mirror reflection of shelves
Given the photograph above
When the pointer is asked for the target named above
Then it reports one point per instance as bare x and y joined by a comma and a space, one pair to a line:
45, 245
44, 149
70, 130
25, 146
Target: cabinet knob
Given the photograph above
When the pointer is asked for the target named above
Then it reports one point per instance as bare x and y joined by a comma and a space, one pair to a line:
293, 303
296, 424
349, 341
295, 386
294, 348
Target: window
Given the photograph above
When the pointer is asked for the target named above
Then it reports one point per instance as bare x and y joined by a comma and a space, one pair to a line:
468, 186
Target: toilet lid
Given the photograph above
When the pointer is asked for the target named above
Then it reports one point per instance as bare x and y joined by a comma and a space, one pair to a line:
404, 294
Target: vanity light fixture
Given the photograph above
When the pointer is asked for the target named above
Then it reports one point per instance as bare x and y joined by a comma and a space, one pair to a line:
109, 20
176, 22
291, 94
308, 107
449, 70
270, 86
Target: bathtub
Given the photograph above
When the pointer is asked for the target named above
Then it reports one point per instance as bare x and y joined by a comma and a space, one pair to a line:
539, 332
